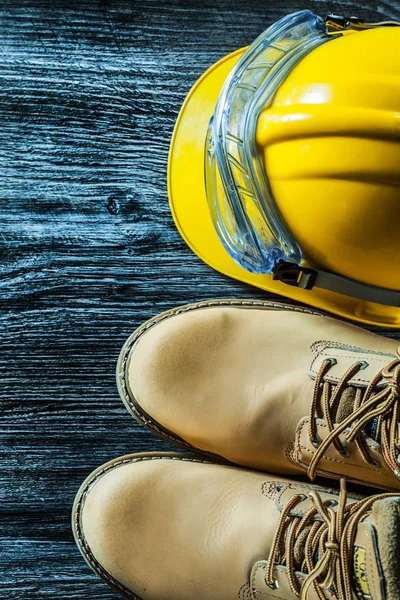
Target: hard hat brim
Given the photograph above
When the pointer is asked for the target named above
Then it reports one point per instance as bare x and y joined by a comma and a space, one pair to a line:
189, 206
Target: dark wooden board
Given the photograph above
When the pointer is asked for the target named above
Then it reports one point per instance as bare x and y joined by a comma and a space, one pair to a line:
89, 94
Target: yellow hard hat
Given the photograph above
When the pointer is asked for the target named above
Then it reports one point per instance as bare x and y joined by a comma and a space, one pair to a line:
284, 168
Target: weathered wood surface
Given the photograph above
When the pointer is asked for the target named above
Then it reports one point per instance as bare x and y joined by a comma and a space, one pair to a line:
89, 94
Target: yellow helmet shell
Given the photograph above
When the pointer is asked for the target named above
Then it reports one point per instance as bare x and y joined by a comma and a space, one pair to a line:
330, 144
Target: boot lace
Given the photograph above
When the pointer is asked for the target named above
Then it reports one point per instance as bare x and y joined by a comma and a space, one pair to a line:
380, 400
327, 548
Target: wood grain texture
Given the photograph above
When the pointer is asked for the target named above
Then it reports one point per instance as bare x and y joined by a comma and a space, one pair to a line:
89, 94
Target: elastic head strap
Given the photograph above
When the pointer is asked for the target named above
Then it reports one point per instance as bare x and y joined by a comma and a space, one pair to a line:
307, 279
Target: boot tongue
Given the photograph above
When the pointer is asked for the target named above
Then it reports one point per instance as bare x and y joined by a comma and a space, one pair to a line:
366, 584
346, 407
299, 548
384, 523
376, 551
346, 404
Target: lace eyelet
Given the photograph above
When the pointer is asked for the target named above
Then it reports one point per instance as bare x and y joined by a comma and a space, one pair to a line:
316, 443
343, 451
363, 365
302, 497
333, 502
274, 586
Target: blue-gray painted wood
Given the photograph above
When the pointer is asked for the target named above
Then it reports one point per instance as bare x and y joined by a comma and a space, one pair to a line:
89, 94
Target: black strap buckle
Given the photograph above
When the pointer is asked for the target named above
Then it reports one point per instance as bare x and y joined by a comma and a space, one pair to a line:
302, 277
294, 275
339, 23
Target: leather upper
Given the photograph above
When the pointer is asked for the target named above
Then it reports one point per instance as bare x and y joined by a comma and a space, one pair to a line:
351, 464
238, 382
165, 527
175, 530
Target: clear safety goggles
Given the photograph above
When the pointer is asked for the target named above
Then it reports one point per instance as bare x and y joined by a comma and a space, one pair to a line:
240, 200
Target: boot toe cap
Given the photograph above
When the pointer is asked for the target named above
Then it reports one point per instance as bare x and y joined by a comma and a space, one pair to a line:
174, 368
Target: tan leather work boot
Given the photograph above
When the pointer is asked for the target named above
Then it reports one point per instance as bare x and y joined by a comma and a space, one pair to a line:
173, 527
269, 386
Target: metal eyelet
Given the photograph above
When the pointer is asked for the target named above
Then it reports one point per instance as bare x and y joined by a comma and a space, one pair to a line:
333, 502
333, 361
343, 451
316, 443
274, 586
302, 497
363, 365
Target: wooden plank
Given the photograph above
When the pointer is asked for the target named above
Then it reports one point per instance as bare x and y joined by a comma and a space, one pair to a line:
88, 99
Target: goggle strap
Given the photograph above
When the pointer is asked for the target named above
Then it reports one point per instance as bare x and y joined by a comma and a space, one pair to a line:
307, 279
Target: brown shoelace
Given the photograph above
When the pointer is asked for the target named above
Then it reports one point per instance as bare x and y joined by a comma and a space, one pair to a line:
327, 546
379, 401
